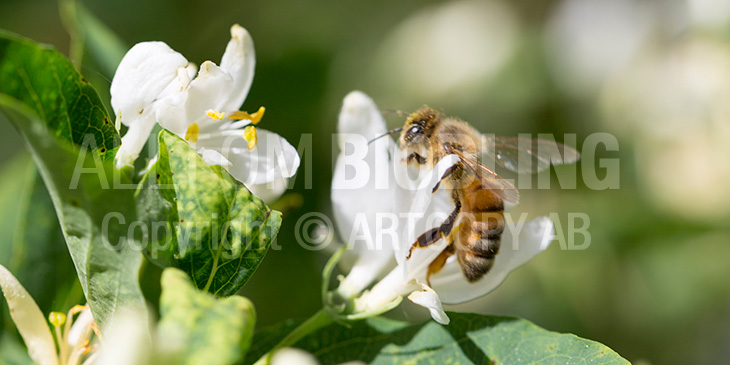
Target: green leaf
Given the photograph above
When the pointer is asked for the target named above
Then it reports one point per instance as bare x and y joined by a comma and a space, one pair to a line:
202, 220
469, 338
208, 330
73, 144
46, 82
12, 180
12, 352
38, 239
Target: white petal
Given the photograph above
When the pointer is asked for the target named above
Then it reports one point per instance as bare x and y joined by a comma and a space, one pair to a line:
293, 356
269, 191
144, 72
126, 340
385, 291
28, 319
517, 248
360, 115
135, 139
213, 157
180, 83
208, 91
370, 265
271, 159
427, 210
429, 299
239, 61
79, 325
362, 191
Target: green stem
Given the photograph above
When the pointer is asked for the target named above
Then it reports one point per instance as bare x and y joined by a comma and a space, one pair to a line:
319, 320
70, 22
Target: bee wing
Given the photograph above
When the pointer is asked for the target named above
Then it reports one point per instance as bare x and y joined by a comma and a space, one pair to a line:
527, 155
489, 179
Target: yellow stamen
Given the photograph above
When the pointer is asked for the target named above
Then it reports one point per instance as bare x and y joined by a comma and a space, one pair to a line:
90, 349
249, 134
214, 114
57, 319
255, 118
191, 135
95, 328
78, 308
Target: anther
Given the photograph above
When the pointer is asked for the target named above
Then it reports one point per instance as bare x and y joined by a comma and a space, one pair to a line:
191, 135
214, 114
255, 118
249, 134
57, 319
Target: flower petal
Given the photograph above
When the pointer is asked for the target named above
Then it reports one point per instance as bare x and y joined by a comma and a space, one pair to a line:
207, 91
362, 194
426, 210
429, 299
290, 355
135, 139
270, 191
271, 159
519, 245
28, 319
213, 157
385, 291
239, 61
146, 70
360, 116
127, 340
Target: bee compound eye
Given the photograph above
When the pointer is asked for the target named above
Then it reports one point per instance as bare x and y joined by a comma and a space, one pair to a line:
415, 130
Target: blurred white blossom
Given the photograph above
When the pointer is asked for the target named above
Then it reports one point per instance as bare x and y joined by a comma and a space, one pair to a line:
673, 103
293, 356
590, 40
447, 50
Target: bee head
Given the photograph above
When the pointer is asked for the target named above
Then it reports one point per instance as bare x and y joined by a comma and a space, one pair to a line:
419, 127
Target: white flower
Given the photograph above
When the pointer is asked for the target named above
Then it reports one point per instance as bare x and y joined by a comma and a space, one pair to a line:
291, 356
127, 340
358, 201
416, 209
73, 337
155, 84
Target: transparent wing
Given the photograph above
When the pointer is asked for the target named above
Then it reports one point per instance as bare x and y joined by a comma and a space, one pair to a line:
489, 179
527, 155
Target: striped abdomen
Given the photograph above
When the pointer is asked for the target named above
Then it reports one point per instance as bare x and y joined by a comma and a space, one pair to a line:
480, 229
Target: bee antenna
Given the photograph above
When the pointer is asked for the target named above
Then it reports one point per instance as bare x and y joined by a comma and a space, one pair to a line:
385, 134
396, 112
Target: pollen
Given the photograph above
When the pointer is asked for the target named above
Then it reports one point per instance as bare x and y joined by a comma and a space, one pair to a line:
249, 134
191, 135
255, 118
57, 319
214, 114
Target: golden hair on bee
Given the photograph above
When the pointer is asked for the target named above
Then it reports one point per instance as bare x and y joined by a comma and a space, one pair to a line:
474, 228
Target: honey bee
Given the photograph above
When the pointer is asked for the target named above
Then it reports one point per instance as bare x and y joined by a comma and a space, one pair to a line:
474, 229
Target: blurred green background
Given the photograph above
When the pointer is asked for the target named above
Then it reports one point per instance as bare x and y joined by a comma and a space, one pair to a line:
654, 282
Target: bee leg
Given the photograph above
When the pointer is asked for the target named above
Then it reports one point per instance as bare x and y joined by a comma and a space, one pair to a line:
433, 235
446, 174
438, 263
448, 225
426, 239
